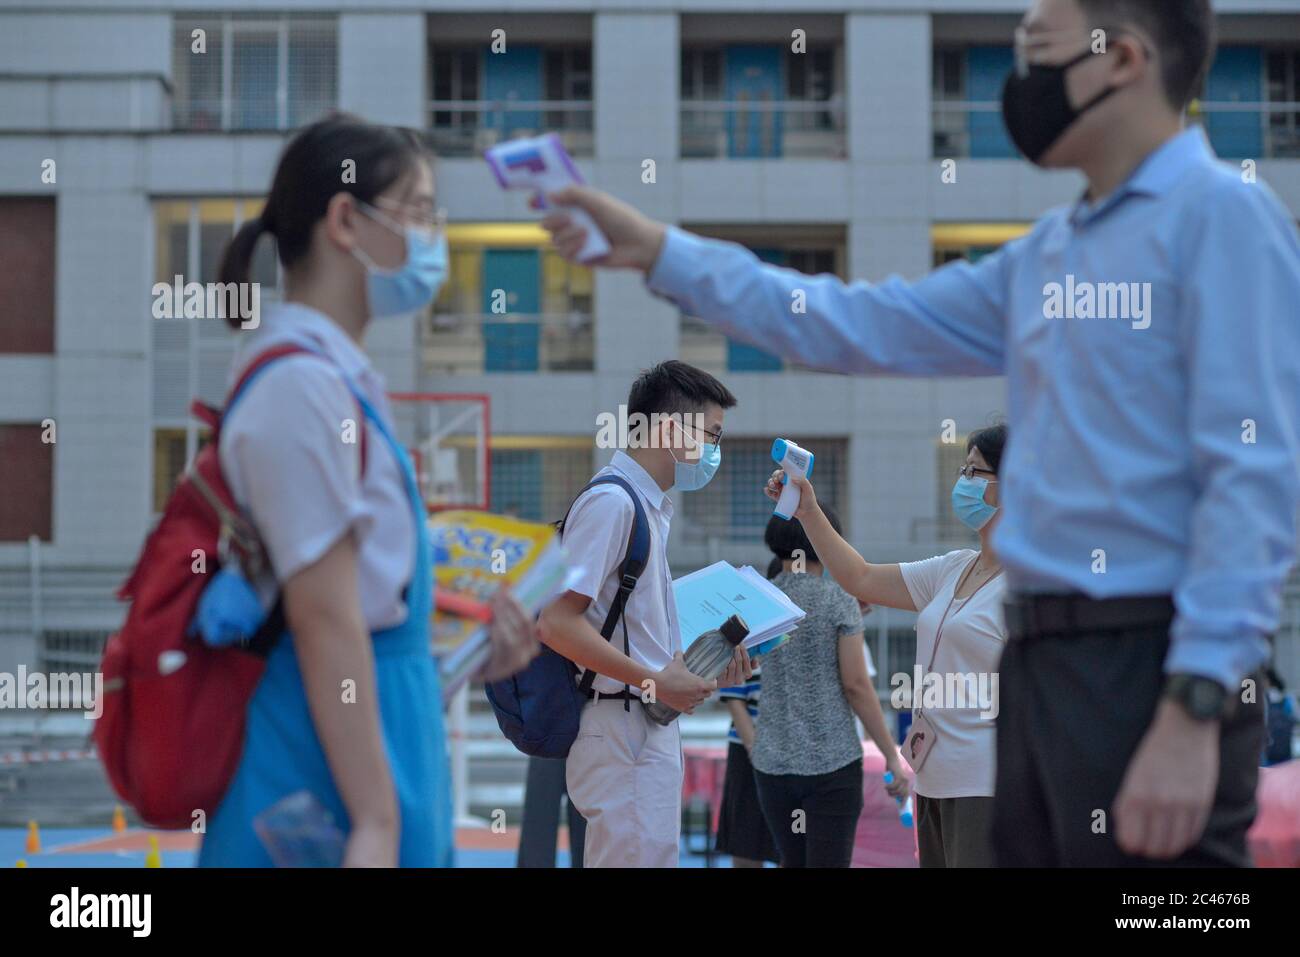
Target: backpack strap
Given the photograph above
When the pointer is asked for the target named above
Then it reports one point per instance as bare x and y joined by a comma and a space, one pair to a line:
213, 418
634, 563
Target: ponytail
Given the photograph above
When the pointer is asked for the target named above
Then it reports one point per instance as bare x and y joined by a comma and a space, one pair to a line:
237, 260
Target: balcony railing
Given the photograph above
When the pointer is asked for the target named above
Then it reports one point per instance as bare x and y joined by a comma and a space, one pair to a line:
1245, 130
757, 129
468, 344
1236, 129
468, 127
69, 102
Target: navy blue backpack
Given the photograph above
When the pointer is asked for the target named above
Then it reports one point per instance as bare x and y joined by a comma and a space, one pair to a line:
538, 709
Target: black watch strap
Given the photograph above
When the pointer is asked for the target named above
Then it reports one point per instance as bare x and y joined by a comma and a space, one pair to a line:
1204, 699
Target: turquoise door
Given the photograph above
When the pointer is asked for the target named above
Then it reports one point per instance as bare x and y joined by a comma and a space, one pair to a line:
516, 273
1236, 77
513, 75
753, 75
986, 73
742, 357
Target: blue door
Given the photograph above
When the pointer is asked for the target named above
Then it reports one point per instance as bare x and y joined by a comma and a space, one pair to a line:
986, 73
511, 346
742, 357
1236, 77
753, 75
513, 75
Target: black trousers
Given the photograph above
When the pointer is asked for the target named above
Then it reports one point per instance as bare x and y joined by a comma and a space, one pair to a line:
822, 835
1073, 709
543, 791
954, 832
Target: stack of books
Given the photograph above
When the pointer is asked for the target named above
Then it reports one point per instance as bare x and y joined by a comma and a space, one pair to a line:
708, 597
474, 554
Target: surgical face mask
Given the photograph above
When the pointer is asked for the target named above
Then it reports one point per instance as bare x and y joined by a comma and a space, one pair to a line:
412, 285
968, 502
1036, 106
692, 476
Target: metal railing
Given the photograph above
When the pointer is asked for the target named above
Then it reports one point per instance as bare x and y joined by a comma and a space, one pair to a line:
468, 127
759, 129
89, 102
471, 343
953, 135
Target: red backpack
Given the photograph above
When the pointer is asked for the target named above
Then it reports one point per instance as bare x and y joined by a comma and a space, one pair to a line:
172, 727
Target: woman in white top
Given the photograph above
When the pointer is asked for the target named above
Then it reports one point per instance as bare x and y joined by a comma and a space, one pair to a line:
960, 635
349, 705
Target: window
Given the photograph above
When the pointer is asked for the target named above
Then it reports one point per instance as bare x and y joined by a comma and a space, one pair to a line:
254, 71
733, 508
480, 97
191, 357
1284, 87
966, 92
510, 304
170, 460
26, 483
537, 477
27, 279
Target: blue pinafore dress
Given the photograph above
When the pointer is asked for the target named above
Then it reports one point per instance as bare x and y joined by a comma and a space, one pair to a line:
283, 754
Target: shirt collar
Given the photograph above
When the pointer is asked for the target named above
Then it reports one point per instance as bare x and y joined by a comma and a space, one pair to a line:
1155, 176
635, 473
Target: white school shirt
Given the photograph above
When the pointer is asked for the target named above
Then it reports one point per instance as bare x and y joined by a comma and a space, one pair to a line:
962, 762
596, 539
284, 457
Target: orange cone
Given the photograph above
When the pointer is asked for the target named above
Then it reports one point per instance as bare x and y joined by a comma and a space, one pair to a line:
153, 858
33, 838
119, 820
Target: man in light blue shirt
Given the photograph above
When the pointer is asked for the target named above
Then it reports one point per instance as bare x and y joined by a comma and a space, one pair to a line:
1150, 335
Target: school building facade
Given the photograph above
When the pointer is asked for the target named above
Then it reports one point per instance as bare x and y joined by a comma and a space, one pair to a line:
135, 135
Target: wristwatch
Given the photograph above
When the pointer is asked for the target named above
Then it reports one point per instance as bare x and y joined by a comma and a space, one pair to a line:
1204, 699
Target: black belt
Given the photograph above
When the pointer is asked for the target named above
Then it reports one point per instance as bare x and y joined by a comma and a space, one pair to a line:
1037, 616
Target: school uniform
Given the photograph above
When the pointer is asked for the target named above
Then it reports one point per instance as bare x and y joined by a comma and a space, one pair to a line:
624, 770
285, 453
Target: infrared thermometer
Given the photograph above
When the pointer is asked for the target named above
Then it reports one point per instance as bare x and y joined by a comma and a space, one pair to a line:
541, 164
795, 461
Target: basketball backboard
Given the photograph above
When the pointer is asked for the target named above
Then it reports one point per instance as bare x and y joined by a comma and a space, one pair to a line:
448, 436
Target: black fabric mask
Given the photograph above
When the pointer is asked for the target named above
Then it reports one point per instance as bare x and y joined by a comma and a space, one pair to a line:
1036, 107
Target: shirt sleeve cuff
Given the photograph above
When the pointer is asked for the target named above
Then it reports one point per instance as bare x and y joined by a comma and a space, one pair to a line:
674, 269
1225, 660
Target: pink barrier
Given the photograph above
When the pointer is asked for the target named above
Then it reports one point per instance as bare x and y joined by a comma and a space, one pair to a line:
882, 840
1274, 838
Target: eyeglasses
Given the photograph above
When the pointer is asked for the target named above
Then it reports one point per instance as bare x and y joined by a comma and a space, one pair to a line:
423, 216
970, 471
715, 436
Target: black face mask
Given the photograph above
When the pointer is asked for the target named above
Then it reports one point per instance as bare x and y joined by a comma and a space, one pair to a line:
1036, 107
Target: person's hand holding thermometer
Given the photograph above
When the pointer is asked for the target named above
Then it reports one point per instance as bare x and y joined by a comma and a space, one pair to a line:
794, 462
779, 481
541, 164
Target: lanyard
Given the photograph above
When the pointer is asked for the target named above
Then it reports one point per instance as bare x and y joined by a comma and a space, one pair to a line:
938, 634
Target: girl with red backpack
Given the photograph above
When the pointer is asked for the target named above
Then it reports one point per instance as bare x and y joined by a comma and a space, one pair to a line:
348, 707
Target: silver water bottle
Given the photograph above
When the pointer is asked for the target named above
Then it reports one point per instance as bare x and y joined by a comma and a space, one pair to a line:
707, 657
